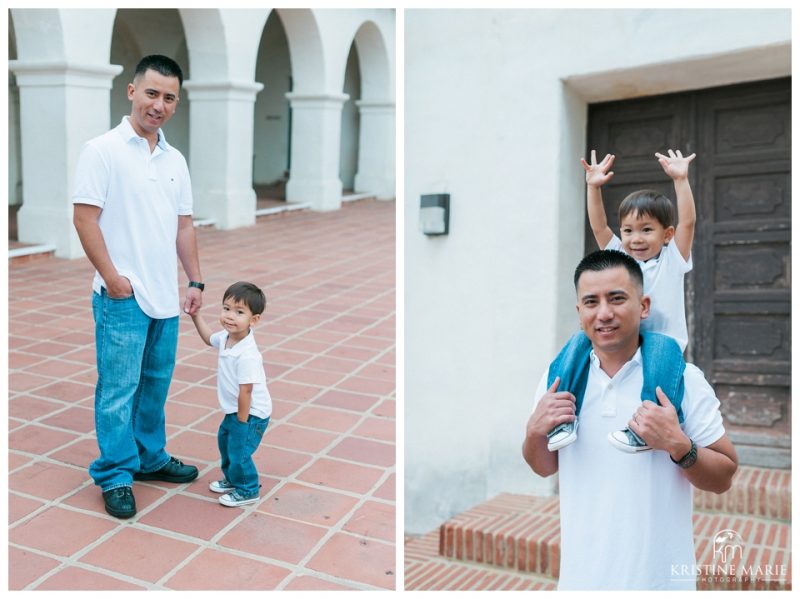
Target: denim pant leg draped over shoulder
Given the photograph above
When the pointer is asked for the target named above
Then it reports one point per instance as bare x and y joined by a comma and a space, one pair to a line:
135, 360
662, 366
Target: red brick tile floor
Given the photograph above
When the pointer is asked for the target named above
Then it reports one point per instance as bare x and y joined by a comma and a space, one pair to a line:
326, 518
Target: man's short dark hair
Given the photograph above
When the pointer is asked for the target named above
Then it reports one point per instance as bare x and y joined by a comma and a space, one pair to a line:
248, 294
651, 203
605, 259
161, 64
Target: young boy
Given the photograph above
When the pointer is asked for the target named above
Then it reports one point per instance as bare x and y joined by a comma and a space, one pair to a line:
242, 392
663, 251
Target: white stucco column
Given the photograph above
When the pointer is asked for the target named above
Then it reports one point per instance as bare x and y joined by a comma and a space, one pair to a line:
316, 132
376, 168
221, 142
62, 105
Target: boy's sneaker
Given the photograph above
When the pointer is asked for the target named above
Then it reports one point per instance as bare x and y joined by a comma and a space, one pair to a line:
221, 486
233, 499
562, 435
628, 441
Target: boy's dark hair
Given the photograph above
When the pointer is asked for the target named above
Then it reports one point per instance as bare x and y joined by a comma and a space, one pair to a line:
605, 259
651, 203
248, 294
161, 64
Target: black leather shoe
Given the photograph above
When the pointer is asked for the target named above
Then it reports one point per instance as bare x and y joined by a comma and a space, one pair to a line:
120, 502
175, 471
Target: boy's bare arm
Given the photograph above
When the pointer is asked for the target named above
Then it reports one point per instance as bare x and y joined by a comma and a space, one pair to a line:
245, 399
676, 166
202, 328
598, 175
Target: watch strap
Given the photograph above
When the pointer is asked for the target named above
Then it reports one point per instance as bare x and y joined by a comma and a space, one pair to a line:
689, 459
197, 284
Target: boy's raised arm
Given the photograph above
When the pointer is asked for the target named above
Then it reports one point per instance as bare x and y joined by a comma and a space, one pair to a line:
202, 328
598, 175
677, 168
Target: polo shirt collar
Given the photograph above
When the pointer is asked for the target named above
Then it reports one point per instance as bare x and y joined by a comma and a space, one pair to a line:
239, 348
636, 359
129, 133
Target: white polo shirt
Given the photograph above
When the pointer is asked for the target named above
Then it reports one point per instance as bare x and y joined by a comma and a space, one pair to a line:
626, 519
241, 364
141, 195
663, 282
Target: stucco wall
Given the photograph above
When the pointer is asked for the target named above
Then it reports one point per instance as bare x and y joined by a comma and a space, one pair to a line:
495, 115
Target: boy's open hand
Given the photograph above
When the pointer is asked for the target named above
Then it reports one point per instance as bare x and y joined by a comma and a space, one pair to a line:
675, 165
598, 175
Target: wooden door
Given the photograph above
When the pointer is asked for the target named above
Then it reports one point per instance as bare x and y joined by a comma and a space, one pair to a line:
738, 293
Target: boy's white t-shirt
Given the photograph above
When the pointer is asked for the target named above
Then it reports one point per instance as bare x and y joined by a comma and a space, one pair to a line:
241, 364
663, 282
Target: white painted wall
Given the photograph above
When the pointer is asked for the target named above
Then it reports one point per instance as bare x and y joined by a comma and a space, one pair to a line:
495, 115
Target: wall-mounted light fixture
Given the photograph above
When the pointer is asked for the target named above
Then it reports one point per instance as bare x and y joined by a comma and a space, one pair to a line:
434, 214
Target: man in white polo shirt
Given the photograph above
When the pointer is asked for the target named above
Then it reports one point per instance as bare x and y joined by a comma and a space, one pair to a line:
626, 519
133, 214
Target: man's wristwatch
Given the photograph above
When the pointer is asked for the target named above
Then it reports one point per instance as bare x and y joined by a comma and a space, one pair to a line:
197, 284
689, 459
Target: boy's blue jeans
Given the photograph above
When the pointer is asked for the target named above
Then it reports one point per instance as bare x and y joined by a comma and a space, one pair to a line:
237, 443
662, 366
135, 360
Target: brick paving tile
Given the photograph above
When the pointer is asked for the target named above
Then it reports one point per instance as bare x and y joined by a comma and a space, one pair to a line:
341, 475
373, 520
216, 570
298, 438
308, 504
139, 553
27, 567
326, 463
75, 531
357, 558
388, 490
311, 583
81, 579
39, 440
19, 506
79, 420
367, 452
273, 537
321, 418
347, 401
191, 516
46, 480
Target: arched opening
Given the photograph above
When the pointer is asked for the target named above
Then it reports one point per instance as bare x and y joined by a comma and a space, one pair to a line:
272, 118
348, 154
137, 33
14, 140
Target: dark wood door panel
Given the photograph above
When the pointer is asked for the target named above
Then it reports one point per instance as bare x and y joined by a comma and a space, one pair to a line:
738, 295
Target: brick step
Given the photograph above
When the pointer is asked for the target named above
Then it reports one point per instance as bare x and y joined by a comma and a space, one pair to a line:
521, 534
425, 570
762, 492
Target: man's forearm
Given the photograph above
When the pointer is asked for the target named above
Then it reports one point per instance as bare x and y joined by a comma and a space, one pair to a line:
542, 461
186, 245
715, 466
93, 243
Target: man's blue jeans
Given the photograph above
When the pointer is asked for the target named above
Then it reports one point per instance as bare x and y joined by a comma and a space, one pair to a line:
135, 360
662, 366
237, 443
